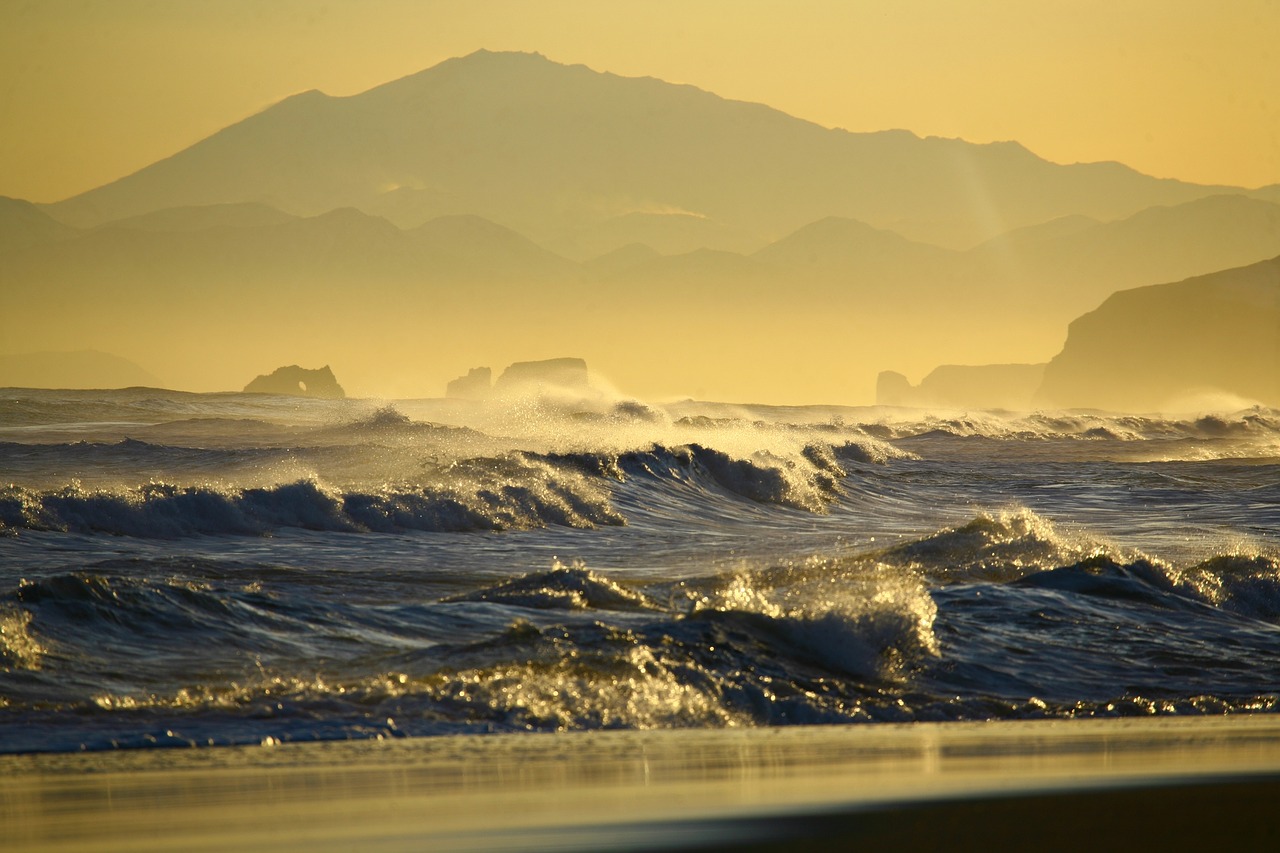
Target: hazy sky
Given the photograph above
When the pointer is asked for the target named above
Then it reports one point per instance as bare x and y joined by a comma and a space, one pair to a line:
91, 91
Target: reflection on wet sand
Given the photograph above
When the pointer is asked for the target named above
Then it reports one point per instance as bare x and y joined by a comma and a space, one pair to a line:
1051, 784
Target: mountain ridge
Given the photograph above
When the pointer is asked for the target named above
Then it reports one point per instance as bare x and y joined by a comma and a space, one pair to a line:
995, 303
479, 209
541, 147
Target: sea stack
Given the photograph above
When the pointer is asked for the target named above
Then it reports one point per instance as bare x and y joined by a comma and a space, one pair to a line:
534, 377
295, 381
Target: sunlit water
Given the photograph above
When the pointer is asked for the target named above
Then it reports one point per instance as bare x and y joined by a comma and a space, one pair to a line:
192, 569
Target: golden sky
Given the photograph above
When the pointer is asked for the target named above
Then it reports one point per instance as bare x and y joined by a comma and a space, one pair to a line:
91, 90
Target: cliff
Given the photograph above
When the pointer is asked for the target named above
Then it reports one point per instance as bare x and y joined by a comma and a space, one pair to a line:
474, 386
1172, 346
532, 377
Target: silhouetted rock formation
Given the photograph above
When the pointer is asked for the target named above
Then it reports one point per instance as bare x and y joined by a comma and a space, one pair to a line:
988, 386
294, 381
893, 389
524, 378
553, 374
1175, 346
474, 386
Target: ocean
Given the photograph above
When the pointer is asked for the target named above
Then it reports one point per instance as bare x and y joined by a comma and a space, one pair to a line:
184, 570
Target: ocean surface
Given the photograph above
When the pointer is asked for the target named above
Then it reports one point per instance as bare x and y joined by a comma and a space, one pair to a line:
180, 569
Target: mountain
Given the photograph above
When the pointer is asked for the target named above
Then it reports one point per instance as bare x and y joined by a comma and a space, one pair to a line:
471, 247
22, 224
667, 233
343, 245
1267, 193
1068, 266
343, 288
1027, 284
837, 254
505, 207
77, 369
547, 149
1189, 344
621, 261
1064, 227
1043, 274
837, 243
1207, 342
198, 218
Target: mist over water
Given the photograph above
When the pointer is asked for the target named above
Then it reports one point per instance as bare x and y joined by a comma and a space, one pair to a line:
478, 210
193, 569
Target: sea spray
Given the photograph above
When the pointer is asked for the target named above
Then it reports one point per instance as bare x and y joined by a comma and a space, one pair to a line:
213, 569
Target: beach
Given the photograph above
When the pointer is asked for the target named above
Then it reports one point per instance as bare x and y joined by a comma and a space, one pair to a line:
1172, 783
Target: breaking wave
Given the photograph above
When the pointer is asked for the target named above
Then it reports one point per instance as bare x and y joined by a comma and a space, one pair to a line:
751, 566
827, 639
513, 491
488, 499
19, 647
1003, 546
561, 588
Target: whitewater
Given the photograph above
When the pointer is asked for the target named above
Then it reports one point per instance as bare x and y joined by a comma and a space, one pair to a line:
212, 569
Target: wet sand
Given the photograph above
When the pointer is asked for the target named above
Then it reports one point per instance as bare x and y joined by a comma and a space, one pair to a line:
1201, 783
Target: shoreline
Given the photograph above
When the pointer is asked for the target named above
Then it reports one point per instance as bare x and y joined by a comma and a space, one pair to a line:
1052, 782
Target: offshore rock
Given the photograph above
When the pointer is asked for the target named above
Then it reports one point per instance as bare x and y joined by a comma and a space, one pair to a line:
294, 381
553, 374
893, 389
987, 386
474, 386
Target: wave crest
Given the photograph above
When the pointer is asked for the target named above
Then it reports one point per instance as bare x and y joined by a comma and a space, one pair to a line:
1245, 584
861, 621
561, 588
490, 495
19, 647
1000, 547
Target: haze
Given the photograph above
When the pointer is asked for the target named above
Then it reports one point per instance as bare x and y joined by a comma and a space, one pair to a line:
453, 198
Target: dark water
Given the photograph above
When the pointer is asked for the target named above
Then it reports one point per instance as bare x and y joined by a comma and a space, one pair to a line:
211, 569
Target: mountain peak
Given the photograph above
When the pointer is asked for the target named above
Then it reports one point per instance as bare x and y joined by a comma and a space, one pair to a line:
547, 149
481, 65
486, 55
492, 60
301, 99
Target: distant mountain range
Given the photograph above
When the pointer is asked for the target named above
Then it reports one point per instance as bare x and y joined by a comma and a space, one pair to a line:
77, 369
1208, 342
22, 224
548, 149
487, 208
272, 277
